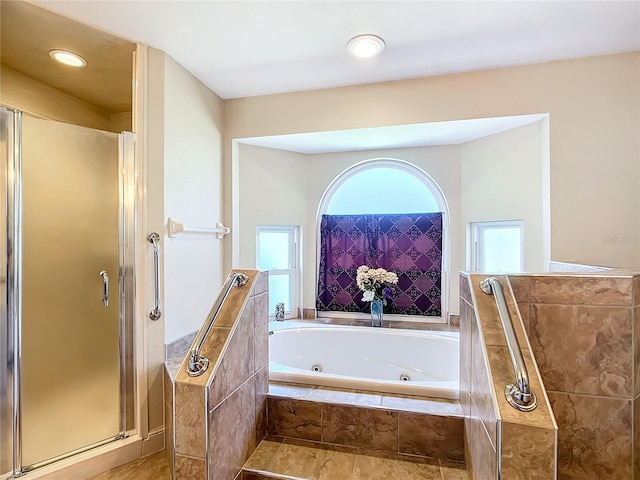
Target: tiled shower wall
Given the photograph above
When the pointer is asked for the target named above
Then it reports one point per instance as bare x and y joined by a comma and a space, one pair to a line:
220, 416
521, 444
585, 333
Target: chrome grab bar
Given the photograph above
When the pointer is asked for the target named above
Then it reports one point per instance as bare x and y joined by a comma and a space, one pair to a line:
105, 288
154, 238
199, 363
519, 394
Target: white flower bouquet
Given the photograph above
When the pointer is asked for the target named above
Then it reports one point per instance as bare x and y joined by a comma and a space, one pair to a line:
374, 282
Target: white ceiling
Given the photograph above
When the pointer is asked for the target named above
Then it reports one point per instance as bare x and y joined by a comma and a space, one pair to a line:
245, 48
397, 136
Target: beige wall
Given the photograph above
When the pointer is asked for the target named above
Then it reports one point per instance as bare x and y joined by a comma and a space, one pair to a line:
504, 177
184, 168
154, 207
285, 188
184, 123
121, 122
193, 196
594, 119
500, 177
273, 186
32, 96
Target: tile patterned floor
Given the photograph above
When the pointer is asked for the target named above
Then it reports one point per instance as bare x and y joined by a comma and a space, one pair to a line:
315, 461
153, 467
304, 460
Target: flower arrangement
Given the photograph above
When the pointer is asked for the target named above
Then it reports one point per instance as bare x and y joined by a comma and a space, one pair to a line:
374, 282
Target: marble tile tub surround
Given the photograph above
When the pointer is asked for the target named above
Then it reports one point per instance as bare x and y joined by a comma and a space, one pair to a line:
496, 433
350, 322
309, 313
585, 333
417, 426
179, 346
168, 402
229, 400
477, 399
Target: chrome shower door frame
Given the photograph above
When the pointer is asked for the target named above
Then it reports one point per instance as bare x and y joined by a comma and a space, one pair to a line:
10, 291
126, 277
10, 305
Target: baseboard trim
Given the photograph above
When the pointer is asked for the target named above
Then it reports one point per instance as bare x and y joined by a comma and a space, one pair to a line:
153, 443
91, 463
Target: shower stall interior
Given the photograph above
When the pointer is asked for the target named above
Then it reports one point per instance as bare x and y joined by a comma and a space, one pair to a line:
66, 280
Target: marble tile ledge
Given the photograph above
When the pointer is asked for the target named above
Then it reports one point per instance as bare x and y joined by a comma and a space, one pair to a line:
357, 398
351, 322
173, 365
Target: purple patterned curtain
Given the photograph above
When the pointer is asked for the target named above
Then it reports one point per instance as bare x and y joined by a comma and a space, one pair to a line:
408, 244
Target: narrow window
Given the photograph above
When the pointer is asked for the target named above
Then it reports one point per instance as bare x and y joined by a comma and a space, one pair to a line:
497, 246
277, 252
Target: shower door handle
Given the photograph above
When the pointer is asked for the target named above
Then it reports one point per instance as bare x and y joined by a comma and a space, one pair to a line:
105, 284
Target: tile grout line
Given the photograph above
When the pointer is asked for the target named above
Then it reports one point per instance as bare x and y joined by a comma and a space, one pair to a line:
591, 395
274, 475
353, 470
398, 432
267, 467
207, 392
592, 305
322, 407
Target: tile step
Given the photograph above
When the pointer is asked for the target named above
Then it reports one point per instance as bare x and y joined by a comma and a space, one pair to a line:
281, 458
427, 429
250, 474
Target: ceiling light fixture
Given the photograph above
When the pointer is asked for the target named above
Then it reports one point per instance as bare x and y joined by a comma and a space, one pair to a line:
68, 58
365, 46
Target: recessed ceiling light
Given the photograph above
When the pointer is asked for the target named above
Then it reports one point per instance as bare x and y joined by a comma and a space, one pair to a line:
365, 46
67, 58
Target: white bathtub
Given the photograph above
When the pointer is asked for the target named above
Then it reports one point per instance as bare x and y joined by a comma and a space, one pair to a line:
422, 363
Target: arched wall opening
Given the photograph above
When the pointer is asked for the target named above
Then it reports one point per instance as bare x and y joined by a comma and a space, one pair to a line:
280, 184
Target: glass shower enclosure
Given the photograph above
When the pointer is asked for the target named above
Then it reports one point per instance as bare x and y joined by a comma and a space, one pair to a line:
67, 286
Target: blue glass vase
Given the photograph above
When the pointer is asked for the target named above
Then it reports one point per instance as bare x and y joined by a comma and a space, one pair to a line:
376, 313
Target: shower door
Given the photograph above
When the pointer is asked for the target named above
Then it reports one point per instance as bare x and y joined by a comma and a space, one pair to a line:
70, 330
70, 393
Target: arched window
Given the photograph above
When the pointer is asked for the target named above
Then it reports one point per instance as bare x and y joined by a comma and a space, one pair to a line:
382, 190
383, 213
